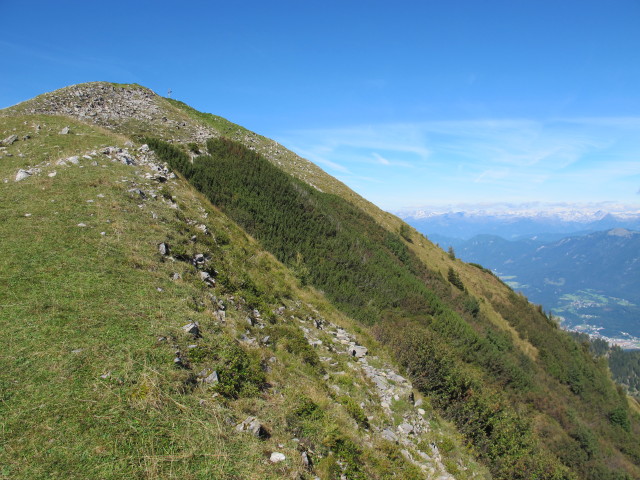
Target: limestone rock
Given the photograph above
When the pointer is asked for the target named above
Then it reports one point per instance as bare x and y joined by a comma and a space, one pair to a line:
193, 328
9, 140
253, 426
163, 248
207, 278
358, 351
405, 428
212, 379
64, 131
389, 435
22, 174
277, 457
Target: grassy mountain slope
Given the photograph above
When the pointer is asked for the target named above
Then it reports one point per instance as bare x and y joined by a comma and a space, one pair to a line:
530, 401
93, 319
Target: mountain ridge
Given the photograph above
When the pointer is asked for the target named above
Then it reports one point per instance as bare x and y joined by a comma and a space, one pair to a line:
482, 357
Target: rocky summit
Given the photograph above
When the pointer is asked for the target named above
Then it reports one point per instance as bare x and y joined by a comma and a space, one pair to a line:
188, 299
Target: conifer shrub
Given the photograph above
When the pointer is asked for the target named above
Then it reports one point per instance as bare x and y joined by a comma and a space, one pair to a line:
239, 371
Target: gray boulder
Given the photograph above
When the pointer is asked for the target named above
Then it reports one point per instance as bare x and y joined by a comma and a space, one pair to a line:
389, 435
10, 139
212, 379
22, 174
253, 426
358, 351
193, 328
64, 131
207, 278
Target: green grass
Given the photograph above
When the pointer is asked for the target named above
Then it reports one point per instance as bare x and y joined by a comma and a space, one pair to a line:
88, 387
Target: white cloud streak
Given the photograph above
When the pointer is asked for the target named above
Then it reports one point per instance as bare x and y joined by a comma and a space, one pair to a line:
487, 159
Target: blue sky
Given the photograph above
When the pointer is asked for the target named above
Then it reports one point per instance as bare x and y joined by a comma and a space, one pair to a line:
410, 103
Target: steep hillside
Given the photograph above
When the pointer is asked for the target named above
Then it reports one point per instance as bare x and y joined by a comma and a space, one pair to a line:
145, 332
102, 306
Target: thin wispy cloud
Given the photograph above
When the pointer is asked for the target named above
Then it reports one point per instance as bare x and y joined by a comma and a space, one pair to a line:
483, 160
390, 163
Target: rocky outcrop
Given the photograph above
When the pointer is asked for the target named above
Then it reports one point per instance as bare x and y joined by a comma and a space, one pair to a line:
114, 106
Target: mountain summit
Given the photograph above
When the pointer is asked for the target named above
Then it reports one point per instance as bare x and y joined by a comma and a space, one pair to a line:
189, 299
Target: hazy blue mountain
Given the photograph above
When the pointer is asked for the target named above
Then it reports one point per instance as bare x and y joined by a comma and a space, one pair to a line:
591, 280
517, 225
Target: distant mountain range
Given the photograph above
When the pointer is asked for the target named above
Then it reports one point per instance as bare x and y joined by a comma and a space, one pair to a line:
592, 281
517, 222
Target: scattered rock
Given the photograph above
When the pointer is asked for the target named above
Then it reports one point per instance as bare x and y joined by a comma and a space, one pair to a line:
306, 461
52, 174
9, 140
163, 248
22, 174
193, 328
389, 435
75, 160
64, 131
405, 428
277, 457
253, 426
175, 276
207, 278
212, 379
82, 225
358, 351
138, 192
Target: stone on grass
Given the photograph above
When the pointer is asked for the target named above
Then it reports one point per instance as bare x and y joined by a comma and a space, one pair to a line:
358, 351
405, 428
64, 131
253, 426
193, 328
277, 457
213, 378
389, 435
306, 461
163, 248
207, 278
10, 139
22, 174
